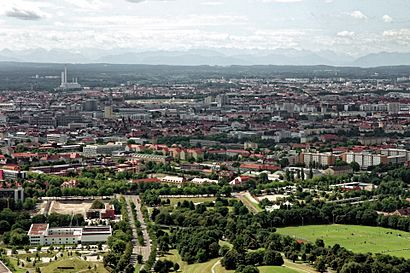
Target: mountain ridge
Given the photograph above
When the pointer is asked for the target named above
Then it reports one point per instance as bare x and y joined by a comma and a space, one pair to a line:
213, 57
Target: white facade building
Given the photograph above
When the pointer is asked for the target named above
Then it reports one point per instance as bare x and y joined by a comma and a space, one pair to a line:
95, 150
42, 234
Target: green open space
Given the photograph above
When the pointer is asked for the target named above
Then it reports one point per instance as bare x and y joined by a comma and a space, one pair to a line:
276, 269
189, 268
359, 239
62, 264
252, 206
217, 267
78, 265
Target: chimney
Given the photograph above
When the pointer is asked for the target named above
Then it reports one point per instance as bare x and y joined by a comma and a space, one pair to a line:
65, 74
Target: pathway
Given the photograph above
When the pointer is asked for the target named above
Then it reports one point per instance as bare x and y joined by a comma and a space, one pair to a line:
146, 249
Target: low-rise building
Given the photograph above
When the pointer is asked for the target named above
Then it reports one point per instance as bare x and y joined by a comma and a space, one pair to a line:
95, 150
16, 194
43, 234
173, 179
338, 170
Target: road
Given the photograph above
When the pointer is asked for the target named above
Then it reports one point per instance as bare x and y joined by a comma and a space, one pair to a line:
135, 247
138, 249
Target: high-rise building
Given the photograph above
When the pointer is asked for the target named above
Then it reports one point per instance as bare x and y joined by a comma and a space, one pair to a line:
90, 105
222, 100
209, 100
108, 112
393, 108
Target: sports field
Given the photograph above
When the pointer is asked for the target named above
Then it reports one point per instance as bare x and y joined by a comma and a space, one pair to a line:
360, 239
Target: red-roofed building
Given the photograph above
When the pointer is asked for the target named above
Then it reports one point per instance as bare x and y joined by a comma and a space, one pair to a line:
146, 180
259, 167
239, 180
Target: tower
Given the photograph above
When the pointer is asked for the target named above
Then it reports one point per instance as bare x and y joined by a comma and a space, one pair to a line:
62, 78
65, 74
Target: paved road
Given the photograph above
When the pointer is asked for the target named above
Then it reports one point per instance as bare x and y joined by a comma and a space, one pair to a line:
146, 249
135, 249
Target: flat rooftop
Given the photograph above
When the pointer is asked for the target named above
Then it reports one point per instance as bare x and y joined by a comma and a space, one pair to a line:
38, 229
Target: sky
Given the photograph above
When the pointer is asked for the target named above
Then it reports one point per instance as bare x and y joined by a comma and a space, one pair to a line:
354, 27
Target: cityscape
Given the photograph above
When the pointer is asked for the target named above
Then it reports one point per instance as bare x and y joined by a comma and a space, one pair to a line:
167, 152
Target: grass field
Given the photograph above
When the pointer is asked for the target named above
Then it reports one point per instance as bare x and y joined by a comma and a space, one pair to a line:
78, 264
276, 269
360, 239
249, 202
189, 268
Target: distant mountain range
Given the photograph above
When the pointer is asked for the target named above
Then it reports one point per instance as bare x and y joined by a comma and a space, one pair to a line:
221, 57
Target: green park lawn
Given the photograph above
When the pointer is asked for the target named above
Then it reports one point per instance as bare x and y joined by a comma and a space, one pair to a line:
78, 264
359, 239
276, 269
53, 267
189, 268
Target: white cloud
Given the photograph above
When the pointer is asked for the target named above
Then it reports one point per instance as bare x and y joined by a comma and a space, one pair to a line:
345, 33
357, 14
387, 19
398, 36
24, 10
23, 14
88, 4
212, 3
280, 1
140, 1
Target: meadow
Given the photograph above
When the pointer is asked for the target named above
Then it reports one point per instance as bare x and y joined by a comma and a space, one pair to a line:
359, 239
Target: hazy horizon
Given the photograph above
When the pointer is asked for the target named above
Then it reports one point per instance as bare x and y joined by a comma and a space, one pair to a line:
349, 28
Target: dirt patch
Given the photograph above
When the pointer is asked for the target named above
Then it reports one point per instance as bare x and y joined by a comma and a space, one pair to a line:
70, 207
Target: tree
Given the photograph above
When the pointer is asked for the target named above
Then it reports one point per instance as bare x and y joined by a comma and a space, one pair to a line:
310, 173
319, 243
320, 265
247, 269
139, 258
4, 226
272, 257
97, 204
229, 261
355, 166
263, 178
351, 267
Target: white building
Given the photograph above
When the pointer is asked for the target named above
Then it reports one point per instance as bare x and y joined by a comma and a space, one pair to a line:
42, 234
57, 138
173, 179
201, 181
95, 150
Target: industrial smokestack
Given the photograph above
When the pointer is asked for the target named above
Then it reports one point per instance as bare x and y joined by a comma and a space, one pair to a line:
65, 74
62, 78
